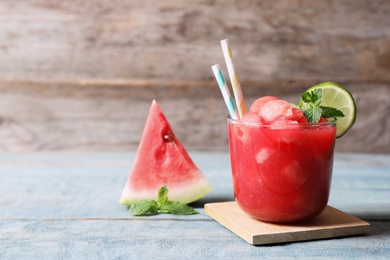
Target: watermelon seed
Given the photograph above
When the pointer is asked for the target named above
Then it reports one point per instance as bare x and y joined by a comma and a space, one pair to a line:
170, 138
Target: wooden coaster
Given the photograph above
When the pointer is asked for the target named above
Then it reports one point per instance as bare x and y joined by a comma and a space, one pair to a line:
331, 223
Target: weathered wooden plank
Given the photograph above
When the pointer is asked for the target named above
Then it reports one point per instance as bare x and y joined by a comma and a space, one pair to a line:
283, 40
93, 239
72, 186
64, 205
81, 74
168, 239
110, 115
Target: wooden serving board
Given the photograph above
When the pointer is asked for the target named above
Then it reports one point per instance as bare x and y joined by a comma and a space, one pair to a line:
331, 223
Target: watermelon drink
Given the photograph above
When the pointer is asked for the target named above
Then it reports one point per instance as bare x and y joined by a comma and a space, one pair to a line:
281, 164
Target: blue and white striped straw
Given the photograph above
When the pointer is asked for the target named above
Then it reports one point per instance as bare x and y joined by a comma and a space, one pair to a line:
225, 91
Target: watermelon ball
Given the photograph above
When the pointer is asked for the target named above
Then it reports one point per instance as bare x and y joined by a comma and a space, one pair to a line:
297, 115
252, 117
259, 103
275, 110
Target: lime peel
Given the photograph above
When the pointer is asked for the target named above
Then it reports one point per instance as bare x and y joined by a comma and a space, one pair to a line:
336, 96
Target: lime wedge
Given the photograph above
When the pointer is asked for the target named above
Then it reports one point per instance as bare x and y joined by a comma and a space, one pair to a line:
334, 95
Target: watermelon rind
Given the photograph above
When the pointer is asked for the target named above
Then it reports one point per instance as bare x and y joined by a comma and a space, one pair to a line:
185, 193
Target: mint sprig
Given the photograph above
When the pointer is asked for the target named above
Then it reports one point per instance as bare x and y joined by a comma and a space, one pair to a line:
310, 104
162, 205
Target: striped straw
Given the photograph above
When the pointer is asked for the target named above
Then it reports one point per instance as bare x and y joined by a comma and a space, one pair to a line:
233, 78
225, 91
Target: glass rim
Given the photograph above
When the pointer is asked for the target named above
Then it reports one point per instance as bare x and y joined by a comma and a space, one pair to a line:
296, 124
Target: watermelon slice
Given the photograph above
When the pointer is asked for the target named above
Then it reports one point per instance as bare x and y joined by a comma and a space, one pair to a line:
162, 160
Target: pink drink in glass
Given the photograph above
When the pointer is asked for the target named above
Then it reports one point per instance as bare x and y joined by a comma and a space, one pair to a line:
281, 172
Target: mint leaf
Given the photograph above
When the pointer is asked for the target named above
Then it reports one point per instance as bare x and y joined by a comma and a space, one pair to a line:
162, 194
144, 207
177, 208
162, 205
313, 96
312, 114
329, 112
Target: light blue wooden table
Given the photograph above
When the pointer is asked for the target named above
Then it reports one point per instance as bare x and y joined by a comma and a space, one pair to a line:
65, 206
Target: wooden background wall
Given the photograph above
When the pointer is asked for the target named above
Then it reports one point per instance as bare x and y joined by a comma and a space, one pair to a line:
81, 74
